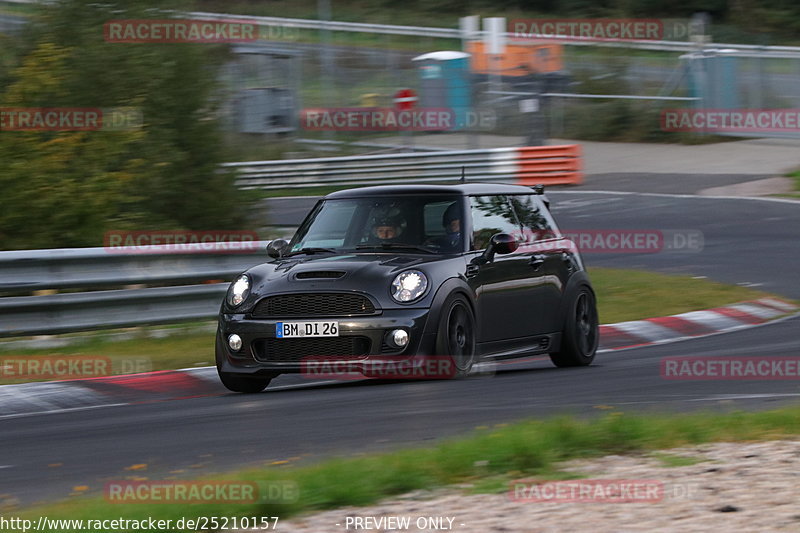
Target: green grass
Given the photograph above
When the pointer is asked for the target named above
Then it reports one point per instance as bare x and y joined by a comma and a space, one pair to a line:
669, 460
633, 294
622, 295
182, 348
484, 461
796, 177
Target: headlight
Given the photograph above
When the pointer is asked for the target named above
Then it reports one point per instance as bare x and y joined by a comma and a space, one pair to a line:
239, 290
409, 285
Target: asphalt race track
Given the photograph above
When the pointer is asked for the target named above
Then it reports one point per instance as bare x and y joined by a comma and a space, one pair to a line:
749, 242
752, 242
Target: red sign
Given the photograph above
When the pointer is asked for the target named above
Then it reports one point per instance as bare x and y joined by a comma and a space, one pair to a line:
405, 99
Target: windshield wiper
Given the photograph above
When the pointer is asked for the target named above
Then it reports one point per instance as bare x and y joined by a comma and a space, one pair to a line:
394, 246
311, 250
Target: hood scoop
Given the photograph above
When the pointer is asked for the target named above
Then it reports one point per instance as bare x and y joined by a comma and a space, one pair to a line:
319, 274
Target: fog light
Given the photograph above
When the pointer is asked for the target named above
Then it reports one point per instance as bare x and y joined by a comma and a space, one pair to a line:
235, 342
399, 337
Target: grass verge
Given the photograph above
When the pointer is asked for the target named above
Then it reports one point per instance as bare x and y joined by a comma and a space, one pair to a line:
796, 177
622, 295
626, 294
485, 461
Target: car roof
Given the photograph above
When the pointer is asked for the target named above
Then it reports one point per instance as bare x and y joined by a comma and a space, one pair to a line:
462, 189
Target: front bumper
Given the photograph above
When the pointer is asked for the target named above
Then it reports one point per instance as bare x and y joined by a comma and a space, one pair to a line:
254, 360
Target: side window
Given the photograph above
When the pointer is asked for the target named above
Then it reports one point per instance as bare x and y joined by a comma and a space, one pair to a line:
433, 215
490, 215
537, 224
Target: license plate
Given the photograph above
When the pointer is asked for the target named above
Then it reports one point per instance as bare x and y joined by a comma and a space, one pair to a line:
288, 330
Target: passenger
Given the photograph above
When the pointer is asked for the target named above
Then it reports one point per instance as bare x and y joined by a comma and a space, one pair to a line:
451, 220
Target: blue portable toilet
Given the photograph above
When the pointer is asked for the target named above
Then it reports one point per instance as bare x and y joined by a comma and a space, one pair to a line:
445, 82
714, 78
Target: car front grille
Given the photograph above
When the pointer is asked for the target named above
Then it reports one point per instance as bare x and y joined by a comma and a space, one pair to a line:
308, 305
295, 350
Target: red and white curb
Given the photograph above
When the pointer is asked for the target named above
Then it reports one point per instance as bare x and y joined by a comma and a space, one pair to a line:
61, 396
692, 324
27, 399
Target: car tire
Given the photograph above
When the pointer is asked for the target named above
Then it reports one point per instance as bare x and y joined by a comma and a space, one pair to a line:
581, 331
233, 382
456, 334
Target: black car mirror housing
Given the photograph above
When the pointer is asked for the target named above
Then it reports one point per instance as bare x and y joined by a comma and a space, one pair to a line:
500, 243
277, 247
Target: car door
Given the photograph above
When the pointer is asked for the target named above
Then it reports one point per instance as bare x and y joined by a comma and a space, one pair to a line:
549, 257
505, 285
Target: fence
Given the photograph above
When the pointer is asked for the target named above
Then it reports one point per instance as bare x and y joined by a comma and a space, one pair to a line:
346, 75
363, 62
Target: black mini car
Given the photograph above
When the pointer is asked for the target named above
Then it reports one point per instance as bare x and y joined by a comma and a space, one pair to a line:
468, 273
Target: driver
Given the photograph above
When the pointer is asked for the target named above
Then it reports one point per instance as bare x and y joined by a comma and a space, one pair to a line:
386, 230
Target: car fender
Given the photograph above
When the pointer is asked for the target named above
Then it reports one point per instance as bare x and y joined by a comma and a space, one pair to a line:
447, 288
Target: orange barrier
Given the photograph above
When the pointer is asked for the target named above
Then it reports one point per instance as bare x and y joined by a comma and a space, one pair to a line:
549, 165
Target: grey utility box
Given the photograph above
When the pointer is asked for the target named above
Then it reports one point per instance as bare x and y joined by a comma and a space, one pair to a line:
265, 110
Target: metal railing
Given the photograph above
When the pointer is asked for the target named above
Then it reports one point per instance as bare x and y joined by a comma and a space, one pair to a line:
479, 165
492, 164
192, 285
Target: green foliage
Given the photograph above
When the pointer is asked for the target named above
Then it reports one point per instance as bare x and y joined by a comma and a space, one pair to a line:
69, 188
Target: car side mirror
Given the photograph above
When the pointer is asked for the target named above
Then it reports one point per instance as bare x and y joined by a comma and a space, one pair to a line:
500, 243
503, 243
277, 247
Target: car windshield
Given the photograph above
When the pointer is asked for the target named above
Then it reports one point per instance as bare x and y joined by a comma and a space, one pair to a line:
413, 224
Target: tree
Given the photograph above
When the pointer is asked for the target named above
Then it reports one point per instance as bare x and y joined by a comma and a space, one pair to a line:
69, 188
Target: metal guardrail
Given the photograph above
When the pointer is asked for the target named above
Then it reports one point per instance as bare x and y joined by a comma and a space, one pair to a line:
480, 165
493, 164
188, 296
90, 268
70, 312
